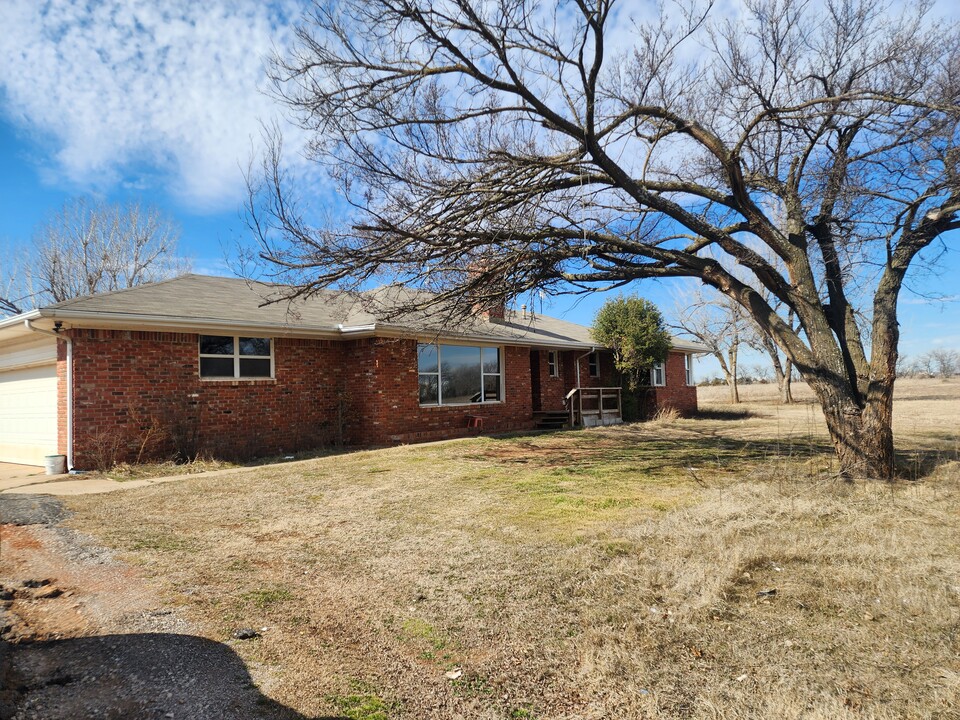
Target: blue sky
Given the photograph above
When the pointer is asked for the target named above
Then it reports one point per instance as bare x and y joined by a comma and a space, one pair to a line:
125, 101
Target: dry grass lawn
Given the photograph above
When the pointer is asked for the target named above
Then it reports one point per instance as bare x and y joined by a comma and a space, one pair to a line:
708, 568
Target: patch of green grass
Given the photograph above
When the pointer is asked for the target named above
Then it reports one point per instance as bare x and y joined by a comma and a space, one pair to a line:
473, 685
522, 713
362, 704
417, 629
266, 597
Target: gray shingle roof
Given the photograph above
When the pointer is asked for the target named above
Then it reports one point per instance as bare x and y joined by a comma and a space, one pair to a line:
205, 301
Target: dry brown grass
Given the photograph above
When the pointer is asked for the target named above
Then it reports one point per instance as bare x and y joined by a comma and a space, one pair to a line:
926, 412
610, 573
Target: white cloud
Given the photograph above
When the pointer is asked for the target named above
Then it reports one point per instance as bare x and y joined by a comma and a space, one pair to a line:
932, 300
128, 88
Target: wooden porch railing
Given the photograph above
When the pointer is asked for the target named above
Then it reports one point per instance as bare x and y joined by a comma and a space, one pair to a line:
594, 406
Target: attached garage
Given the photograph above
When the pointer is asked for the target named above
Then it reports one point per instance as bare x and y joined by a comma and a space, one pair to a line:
28, 400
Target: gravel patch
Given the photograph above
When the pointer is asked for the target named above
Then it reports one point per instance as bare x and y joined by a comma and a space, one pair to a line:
21, 509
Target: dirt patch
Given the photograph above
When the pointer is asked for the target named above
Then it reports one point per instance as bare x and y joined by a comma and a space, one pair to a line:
85, 636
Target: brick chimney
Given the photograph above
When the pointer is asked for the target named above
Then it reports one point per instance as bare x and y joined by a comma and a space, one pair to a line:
490, 309
494, 313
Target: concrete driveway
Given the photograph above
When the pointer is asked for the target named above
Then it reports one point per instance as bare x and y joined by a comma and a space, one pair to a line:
12, 475
31, 480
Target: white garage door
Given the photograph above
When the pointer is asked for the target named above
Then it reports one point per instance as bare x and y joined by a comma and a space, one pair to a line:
28, 414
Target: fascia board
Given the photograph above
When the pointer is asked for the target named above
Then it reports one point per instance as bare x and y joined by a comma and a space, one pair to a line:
149, 323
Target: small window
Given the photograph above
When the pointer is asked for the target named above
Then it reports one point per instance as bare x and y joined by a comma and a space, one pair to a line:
226, 356
593, 362
658, 377
553, 363
688, 366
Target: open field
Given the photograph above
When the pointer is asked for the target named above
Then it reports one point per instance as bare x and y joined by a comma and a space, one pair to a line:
926, 412
710, 568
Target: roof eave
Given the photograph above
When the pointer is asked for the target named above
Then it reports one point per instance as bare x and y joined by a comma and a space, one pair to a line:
136, 321
401, 331
13, 326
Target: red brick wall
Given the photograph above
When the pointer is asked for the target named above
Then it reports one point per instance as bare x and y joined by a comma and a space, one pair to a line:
608, 373
136, 386
131, 387
677, 394
553, 390
383, 388
62, 398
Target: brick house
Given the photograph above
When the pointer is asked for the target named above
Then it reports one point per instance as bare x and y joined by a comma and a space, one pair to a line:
201, 364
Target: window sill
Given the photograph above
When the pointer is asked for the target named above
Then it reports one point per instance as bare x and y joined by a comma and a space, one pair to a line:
246, 380
462, 405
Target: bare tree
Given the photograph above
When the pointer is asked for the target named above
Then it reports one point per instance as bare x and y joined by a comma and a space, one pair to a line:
721, 325
906, 366
780, 363
925, 365
528, 136
92, 247
946, 362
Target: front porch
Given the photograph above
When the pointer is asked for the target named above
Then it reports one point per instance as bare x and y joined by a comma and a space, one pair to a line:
584, 407
574, 389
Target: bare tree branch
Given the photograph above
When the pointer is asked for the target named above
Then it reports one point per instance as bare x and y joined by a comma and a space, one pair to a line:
91, 247
798, 161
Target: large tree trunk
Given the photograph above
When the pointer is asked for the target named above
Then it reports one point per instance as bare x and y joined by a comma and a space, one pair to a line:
862, 437
734, 389
732, 375
786, 391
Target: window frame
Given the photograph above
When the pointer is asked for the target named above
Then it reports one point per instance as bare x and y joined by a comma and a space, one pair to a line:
553, 363
688, 368
593, 364
236, 356
501, 385
661, 368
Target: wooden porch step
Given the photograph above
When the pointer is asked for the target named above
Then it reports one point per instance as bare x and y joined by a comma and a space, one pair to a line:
551, 419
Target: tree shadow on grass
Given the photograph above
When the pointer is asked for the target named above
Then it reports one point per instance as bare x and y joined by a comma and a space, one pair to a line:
731, 414
673, 456
656, 455
921, 464
144, 676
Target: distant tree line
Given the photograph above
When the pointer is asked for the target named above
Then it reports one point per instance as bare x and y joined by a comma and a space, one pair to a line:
750, 375
941, 363
938, 362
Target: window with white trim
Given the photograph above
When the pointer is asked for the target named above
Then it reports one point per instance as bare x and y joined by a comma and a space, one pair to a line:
593, 364
553, 363
459, 374
235, 356
688, 367
658, 375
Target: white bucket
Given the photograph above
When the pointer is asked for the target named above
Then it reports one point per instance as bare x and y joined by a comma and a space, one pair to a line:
55, 464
